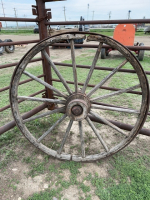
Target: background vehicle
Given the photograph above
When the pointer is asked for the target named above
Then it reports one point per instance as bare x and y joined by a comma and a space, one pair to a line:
86, 28
8, 49
147, 30
2, 48
69, 27
124, 33
36, 29
58, 28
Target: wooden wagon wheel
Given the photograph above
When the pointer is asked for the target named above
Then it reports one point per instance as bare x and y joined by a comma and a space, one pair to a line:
79, 105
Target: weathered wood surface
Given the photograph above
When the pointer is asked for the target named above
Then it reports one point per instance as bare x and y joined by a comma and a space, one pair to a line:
74, 65
51, 128
106, 78
57, 72
82, 139
45, 84
57, 101
115, 109
58, 110
92, 67
105, 121
65, 137
116, 93
97, 133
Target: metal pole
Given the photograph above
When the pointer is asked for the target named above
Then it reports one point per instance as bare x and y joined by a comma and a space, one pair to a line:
121, 21
16, 17
41, 11
25, 22
3, 12
93, 16
88, 12
65, 13
129, 14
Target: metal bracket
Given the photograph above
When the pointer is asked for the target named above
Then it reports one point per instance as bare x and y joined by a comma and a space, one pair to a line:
50, 106
34, 10
48, 14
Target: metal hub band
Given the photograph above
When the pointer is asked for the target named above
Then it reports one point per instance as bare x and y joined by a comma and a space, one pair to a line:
78, 106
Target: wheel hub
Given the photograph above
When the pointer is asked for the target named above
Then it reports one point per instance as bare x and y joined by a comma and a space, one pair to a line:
78, 106
77, 110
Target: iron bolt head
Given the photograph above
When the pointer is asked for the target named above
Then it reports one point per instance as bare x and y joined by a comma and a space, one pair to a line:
77, 110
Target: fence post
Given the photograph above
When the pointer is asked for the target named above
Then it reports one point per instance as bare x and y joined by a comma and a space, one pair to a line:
41, 12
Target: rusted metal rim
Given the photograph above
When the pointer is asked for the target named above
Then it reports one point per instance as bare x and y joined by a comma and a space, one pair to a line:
138, 125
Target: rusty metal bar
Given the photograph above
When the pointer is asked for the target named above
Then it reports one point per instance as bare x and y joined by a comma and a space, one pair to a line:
12, 124
22, 82
32, 95
76, 45
44, 34
96, 46
103, 87
99, 68
14, 19
121, 21
123, 126
16, 63
18, 42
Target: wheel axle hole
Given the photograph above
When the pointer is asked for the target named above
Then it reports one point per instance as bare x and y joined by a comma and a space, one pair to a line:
77, 110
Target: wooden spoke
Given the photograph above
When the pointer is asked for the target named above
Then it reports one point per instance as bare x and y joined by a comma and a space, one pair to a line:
58, 110
114, 109
51, 128
96, 133
57, 72
74, 65
92, 67
106, 78
42, 99
45, 84
82, 139
65, 137
105, 121
116, 93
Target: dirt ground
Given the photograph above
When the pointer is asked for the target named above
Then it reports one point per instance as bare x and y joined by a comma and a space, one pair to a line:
18, 170
58, 54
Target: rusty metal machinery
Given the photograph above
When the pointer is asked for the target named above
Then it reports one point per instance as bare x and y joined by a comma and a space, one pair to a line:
78, 105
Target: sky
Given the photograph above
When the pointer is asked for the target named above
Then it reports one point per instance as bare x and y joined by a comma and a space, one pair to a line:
97, 10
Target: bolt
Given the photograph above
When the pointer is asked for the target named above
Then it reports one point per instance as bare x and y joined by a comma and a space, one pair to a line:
77, 110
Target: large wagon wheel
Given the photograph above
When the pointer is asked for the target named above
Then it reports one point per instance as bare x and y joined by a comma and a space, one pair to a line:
80, 105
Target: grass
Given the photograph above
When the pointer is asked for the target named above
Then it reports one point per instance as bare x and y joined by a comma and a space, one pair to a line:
128, 172
127, 179
109, 32
16, 32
